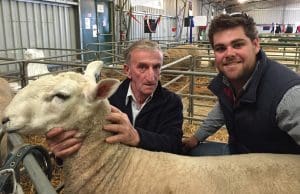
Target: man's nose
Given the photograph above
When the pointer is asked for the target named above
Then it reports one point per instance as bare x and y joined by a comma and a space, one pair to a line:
230, 51
150, 74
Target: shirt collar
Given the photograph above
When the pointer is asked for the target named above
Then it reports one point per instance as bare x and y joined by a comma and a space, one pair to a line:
227, 83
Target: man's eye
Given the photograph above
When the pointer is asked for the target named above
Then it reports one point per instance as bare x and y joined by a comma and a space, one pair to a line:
238, 45
142, 68
157, 67
219, 49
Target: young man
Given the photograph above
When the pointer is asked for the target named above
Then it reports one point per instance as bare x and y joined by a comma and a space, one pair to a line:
258, 99
144, 114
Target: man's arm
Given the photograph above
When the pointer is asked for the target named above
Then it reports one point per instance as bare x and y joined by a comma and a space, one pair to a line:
288, 113
213, 122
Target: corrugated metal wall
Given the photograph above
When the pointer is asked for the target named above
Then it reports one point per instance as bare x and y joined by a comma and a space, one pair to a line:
168, 19
292, 13
163, 30
276, 13
43, 24
56, 23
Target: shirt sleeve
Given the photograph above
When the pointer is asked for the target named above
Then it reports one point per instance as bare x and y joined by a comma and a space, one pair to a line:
288, 113
213, 122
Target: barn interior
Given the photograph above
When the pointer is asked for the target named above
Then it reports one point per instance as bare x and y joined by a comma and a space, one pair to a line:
65, 35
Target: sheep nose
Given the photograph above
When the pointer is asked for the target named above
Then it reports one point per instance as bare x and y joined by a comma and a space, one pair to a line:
5, 120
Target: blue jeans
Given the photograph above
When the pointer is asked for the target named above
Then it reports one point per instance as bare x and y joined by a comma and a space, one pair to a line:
210, 148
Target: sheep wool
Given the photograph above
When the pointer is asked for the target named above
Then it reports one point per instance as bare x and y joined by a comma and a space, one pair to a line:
6, 95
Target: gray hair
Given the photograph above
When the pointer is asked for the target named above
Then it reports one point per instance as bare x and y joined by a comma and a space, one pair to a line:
143, 44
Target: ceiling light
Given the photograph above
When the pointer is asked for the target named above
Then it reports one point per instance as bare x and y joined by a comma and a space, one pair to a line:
242, 1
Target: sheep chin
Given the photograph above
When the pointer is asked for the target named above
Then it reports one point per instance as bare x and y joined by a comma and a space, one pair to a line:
11, 128
23, 130
17, 130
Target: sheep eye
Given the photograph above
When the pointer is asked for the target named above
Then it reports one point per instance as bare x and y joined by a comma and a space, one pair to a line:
62, 96
57, 96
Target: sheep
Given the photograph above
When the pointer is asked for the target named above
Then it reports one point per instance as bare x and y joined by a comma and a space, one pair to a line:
180, 51
34, 69
6, 95
71, 100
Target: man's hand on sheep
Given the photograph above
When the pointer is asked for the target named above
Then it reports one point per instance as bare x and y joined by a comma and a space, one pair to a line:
189, 143
120, 124
63, 143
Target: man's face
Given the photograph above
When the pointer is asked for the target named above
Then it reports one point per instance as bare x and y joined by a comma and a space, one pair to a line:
144, 71
235, 54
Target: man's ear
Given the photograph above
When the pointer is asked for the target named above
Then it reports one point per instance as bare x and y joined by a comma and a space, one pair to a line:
256, 44
126, 70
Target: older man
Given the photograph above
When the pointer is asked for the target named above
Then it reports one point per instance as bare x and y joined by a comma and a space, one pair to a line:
144, 114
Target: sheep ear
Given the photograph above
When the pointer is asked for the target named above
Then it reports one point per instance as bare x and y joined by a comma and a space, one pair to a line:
105, 88
93, 69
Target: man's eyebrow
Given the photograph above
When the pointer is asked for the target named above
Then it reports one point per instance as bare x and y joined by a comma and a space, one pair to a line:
217, 45
142, 63
238, 40
232, 42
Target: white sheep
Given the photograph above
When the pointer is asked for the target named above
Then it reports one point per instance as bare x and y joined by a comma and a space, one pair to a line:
6, 95
34, 69
70, 100
181, 51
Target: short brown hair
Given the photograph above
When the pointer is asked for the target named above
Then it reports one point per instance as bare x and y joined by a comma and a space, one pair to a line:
225, 21
143, 44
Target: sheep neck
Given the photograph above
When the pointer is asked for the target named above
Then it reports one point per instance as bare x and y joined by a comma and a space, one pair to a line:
95, 160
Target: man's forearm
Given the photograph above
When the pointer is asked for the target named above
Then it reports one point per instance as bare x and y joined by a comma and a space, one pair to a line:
213, 122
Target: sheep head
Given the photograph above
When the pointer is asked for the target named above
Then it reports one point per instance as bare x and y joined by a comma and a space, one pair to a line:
30, 54
66, 100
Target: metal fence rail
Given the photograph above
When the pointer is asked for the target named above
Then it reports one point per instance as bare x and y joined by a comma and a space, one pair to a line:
36, 174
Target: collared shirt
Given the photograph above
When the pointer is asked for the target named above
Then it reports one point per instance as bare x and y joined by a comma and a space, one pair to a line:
135, 107
234, 95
